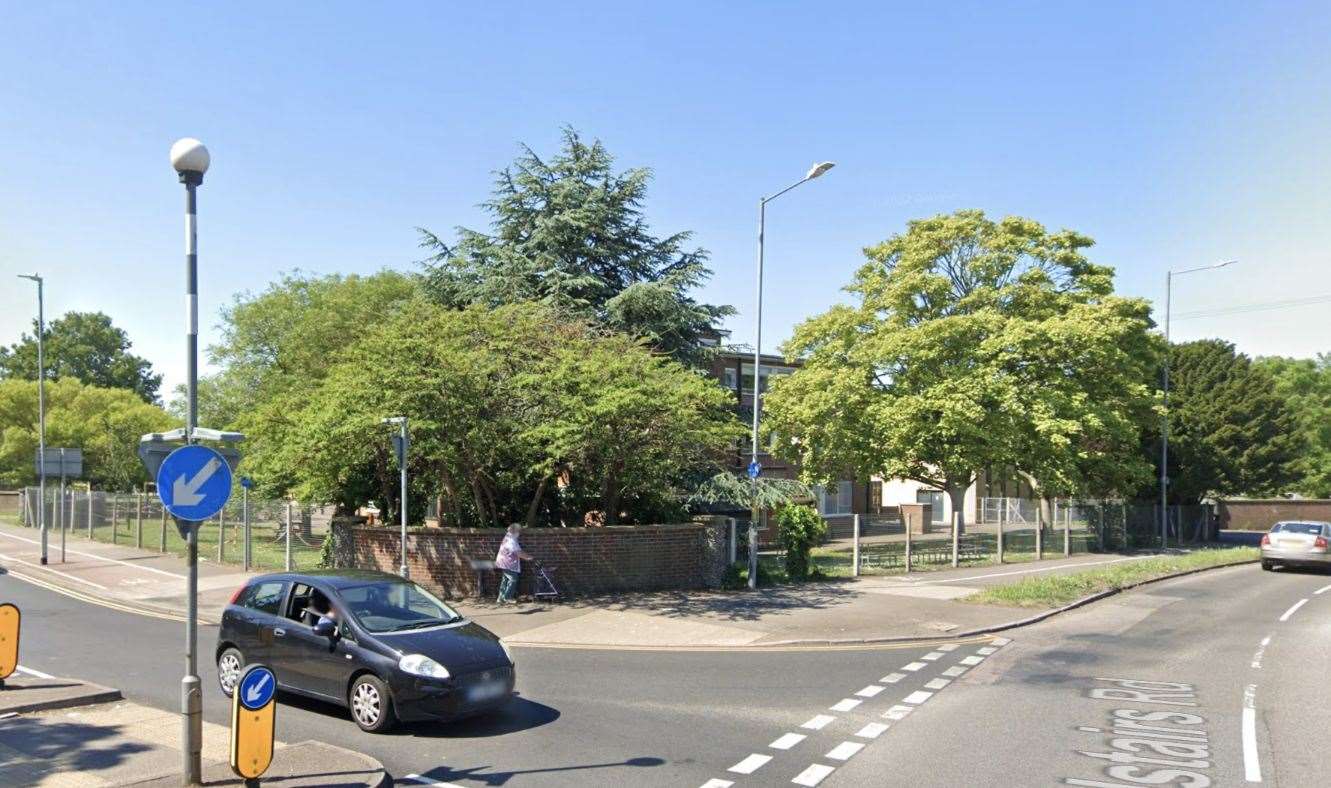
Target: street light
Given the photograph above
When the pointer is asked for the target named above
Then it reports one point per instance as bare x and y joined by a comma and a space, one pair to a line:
190, 160
1164, 429
401, 446
815, 171
41, 411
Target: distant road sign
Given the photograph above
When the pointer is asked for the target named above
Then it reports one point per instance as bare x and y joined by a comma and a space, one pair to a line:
253, 717
754, 470
246, 482
194, 483
61, 462
10, 619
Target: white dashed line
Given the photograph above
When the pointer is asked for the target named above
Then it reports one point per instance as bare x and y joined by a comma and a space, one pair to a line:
750, 764
954, 671
872, 731
897, 712
892, 678
937, 684
1261, 650
1293, 608
715, 783
1001, 641
1322, 590
787, 741
948, 647
1252, 770
844, 750
987, 650
931, 656
813, 775
870, 691
818, 723
972, 660
917, 697
846, 704
914, 666
37, 674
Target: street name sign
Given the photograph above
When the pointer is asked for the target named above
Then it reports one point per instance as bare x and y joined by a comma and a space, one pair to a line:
194, 483
253, 714
10, 619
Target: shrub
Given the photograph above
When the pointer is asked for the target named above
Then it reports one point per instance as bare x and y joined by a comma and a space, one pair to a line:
799, 528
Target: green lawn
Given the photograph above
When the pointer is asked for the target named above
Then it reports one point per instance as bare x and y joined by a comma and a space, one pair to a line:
1057, 590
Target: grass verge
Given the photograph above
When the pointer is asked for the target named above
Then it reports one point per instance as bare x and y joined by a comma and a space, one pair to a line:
1058, 590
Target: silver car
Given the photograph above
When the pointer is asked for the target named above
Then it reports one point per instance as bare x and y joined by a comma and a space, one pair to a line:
1297, 543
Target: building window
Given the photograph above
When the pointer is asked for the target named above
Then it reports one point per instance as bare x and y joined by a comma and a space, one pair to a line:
746, 376
729, 378
834, 499
876, 497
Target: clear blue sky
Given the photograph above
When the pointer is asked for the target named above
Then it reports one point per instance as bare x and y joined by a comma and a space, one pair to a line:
1176, 134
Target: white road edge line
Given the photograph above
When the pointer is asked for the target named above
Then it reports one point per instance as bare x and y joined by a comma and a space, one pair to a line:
94, 556
53, 571
1252, 770
37, 674
1045, 569
1322, 590
1293, 608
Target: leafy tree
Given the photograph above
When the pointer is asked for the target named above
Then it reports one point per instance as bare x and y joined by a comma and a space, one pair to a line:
105, 423
84, 346
570, 233
1306, 386
1230, 431
974, 343
799, 528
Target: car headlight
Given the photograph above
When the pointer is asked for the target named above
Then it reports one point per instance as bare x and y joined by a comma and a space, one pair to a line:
421, 665
508, 653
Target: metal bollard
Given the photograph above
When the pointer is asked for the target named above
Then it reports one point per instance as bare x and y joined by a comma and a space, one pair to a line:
909, 523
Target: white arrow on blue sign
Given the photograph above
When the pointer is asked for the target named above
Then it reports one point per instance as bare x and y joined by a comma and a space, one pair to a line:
194, 483
256, 688
754, 470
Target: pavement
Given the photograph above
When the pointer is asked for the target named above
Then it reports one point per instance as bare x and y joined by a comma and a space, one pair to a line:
870, 608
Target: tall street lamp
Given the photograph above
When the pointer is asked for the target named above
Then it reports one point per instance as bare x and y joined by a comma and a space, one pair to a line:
400, 444
41, 411
754, 468
1164, 428
190, 160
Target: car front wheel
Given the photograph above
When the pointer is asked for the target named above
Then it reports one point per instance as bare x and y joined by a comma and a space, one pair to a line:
230, 664
371, 705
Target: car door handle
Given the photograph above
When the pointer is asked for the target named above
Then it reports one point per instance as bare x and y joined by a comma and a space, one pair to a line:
279, 631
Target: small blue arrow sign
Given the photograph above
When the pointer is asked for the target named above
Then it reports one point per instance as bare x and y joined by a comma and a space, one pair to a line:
194, 483
246, 482
754, 469
256, 687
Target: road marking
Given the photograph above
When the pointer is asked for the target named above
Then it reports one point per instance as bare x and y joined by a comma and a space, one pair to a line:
715, 783
892, 678
846, 704
75, 578
96, 557
972, 660
750, 764
787, 741
931, 656
1044, 569
897, 712
955, 670
1252, 770
37, 674
917, 697
1002, 641
937, 684
870, 691
1322, 590
416, 778
914, 666
813, 775
872, 731
987, 650
948, 647
844, 750
818, 723
1257, 657
1293, 608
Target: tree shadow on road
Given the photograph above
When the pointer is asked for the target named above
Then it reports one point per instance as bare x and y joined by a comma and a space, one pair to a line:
720, 606
487, 775
57, 746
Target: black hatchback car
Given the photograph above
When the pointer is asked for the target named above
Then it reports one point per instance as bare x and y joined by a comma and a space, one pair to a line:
376, 643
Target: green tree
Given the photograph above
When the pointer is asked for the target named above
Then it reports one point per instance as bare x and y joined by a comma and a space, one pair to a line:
974, 343
799, 529
84, 346
105, 423
1305, 384
570, 233
1230, 431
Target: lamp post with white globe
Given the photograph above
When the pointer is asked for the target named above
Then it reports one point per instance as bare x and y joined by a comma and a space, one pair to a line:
190, 159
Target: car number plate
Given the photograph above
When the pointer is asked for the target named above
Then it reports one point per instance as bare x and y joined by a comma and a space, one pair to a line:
487, 691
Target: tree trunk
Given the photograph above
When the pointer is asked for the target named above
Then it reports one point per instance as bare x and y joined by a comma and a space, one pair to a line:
536, 499
956, 493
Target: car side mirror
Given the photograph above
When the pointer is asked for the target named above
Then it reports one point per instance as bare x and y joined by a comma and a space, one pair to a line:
325, 627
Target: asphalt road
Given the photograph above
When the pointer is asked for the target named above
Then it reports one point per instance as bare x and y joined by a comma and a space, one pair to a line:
964, 714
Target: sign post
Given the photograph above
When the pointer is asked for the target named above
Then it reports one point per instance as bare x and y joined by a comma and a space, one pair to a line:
10, 619
253, 717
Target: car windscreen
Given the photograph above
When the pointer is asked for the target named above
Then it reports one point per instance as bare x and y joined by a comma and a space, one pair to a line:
1311, 529
395, 605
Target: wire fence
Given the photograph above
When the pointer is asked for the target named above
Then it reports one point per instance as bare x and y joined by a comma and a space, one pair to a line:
139, 520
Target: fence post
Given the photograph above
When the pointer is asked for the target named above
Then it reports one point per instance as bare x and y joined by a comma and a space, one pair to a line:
114, 501
288, 548
245, 515
221, 534
162, 545
66, 514
999, 552
138, 519
956, 539
1067, 532
90, 499
1039, 534
855, 555
909, 523
734, 545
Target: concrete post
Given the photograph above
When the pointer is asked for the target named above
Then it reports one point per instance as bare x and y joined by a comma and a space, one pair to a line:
909, 525
734, 546
855, 553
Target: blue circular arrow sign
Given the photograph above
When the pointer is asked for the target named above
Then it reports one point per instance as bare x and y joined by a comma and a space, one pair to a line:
754, 470
194, 483
256, 687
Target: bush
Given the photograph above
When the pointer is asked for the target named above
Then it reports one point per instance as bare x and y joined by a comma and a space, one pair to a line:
799, 528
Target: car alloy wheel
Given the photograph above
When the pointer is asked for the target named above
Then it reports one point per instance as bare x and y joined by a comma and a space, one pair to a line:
366, 704
229, 666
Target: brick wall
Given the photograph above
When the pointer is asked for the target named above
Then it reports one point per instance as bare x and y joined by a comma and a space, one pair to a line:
586, 560
1260, 515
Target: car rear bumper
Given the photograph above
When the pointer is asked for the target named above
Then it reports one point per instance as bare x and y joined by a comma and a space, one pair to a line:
417, 699
1299, 557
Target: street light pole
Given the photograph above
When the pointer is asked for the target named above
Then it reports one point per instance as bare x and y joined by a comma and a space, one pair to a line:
401, 421
814, 172
190, 160
1164, 426
41, 410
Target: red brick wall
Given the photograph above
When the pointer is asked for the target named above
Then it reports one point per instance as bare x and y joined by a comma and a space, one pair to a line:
585, 560
1261, 515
